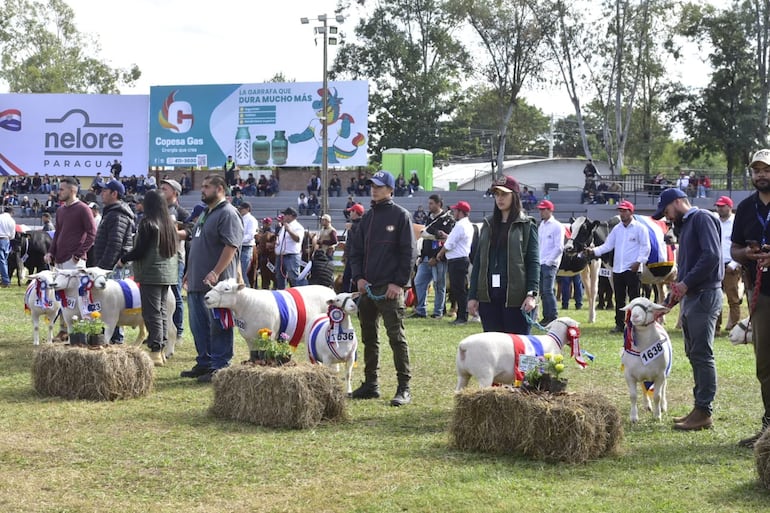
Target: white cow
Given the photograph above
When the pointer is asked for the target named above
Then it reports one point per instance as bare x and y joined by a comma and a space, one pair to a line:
331, 338
646, 356
281, 311
492, 357
40, 301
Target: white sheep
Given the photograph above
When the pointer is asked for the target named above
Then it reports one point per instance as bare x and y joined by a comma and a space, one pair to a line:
492, 357
331, 337
40, 300
281, 311
646, 356
88, 290
741, 333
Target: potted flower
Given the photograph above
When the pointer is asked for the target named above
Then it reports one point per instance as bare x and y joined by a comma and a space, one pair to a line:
96, 330
79, 332
87, 330
546, 375
273, 352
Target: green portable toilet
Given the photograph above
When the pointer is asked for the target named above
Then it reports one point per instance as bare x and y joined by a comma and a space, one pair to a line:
393, 161
421, 161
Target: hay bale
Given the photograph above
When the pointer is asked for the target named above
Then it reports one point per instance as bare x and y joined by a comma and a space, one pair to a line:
762, 458
103, 374
297, 397
572, 428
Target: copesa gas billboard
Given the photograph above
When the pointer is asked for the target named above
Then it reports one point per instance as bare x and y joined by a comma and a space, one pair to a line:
275, 124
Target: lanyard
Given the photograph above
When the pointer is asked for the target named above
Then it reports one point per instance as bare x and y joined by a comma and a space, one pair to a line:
202, 219
764, 222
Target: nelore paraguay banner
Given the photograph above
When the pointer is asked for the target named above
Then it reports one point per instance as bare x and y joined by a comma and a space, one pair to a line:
72, 134
278, 124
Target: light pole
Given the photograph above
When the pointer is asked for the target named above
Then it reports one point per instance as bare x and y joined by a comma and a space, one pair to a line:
325, 30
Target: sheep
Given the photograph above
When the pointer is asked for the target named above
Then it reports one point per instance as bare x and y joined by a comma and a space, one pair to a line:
493, 357
331, 338
646, 355
87, 290
741, 333
39, 300
281, 311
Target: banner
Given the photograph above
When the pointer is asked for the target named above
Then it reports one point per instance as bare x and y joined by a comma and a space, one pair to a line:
259, 125
72, 134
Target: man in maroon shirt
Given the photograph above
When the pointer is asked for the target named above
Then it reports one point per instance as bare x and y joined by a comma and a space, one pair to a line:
75, 229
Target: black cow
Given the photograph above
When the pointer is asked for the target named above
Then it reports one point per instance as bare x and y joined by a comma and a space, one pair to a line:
28, 251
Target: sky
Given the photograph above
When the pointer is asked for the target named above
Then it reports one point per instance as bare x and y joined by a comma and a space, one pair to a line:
176, 42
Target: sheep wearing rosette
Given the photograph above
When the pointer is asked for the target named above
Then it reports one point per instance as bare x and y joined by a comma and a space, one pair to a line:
39, 301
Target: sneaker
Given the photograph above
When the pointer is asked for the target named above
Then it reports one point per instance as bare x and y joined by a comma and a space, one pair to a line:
458, 322
366, 391
195, 372
546, 322
436, 316
749, 442
415, 315
403, 396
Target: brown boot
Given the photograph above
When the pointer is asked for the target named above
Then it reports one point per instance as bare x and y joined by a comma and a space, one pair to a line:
678, 420
699, 419
157, 358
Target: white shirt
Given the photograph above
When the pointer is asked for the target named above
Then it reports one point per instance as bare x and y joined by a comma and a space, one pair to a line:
550, 238
458, 242
285, 245
727, 240
7, 226
250, 226
631, 244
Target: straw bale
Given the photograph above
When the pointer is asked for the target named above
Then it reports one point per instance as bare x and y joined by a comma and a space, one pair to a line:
296, 397
572, 428
762, 458
98, 374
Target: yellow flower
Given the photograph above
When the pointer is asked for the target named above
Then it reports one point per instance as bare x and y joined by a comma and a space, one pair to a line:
559, 367
547, 356
558, 358
95, 315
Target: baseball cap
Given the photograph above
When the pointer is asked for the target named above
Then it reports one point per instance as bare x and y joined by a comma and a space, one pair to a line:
267, 220
197, 210
93, 205
626, 205
290, 212
724, 200
761, 156
116, 186
666, 197
327, 217
545, 204
507, 184
357, 208
462, 206
383, 179
173, 184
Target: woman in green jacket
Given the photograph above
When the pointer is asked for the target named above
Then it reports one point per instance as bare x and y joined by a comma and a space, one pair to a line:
506, 269
155, 269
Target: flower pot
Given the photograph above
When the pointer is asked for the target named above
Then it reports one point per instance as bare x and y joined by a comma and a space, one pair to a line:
78, 339
96, 340
551, 384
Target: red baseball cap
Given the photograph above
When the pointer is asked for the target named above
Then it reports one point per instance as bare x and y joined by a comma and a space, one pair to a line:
507, 184
724, 200
462, 206
626, 205
357, 208
545, 204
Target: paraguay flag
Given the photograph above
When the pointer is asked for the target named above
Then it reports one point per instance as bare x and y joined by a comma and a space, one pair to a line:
291, 308
661, 256
528, 345
10, 119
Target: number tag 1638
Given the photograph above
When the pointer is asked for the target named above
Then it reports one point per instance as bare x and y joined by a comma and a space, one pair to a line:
651, 353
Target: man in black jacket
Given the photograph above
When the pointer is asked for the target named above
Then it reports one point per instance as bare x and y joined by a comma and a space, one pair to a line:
114, 235
382, 250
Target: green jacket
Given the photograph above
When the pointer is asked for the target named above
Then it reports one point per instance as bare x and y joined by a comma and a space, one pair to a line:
518, 264
149, 266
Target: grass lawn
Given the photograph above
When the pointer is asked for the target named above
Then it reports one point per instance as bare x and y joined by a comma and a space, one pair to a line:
165, 453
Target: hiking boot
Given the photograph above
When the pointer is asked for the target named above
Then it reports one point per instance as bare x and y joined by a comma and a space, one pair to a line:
403, 396
749, 442
195, 372
698, 419
366, 391
678, 420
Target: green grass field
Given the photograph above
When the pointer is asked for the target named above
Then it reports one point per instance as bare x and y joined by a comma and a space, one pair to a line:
165, 453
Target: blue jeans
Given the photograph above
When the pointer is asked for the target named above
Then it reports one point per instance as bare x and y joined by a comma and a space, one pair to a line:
426, 274
179, 310
287, 269
699, 317
5, 249
246, 254
567, 283
547, 282
213, 344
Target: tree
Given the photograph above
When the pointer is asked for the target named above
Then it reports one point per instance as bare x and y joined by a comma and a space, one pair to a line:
407, 49
760, 35
512, 39
42, 51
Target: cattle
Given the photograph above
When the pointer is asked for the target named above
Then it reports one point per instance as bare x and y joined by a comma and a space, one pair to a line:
28, 251
581, 235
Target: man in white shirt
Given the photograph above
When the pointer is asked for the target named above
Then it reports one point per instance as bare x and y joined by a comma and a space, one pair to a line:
631, 243
733, 270
250, 226
456, 251
7, 232
550, 238
288, 250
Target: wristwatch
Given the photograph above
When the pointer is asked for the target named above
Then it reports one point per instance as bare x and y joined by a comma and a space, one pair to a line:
532, 293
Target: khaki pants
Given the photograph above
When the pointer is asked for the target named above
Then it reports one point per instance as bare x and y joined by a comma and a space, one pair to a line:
731, 286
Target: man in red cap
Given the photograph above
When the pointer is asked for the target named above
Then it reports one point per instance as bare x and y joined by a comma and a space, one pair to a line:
456, 251
733, 270
356, 211
550, 238
631, 243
